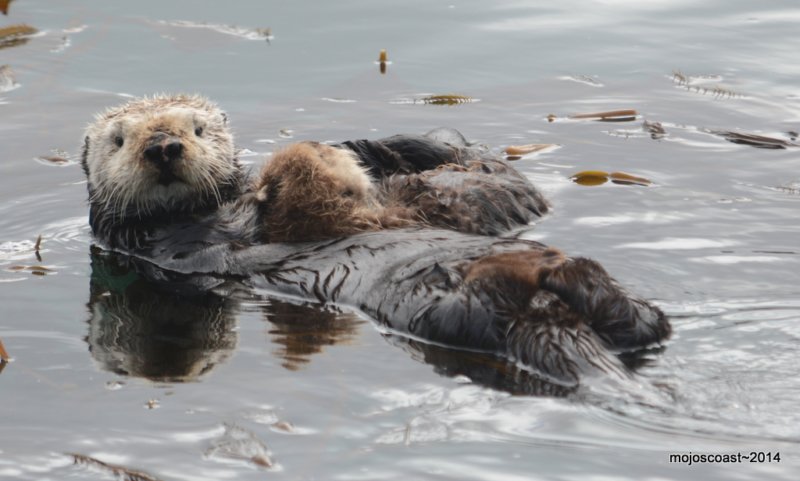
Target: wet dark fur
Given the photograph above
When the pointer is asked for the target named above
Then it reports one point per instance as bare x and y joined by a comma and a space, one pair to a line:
442, 282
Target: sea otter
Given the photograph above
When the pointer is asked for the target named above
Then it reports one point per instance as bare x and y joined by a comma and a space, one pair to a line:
403, 229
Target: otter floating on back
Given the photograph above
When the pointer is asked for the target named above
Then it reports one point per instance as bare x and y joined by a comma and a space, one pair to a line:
404, 229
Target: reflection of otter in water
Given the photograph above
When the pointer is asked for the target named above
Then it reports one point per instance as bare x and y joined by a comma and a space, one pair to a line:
164, 185
302, 330
172, 330
140, 328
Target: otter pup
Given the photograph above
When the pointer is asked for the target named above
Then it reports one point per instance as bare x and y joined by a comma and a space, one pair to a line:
311, 191
164, 185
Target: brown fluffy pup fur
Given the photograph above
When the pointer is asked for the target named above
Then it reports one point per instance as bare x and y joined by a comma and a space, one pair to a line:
311, 191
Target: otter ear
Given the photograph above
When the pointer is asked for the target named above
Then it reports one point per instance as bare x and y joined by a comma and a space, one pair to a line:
85, 155
262, 194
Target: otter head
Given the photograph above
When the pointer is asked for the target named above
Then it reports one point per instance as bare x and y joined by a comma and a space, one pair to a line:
160, 156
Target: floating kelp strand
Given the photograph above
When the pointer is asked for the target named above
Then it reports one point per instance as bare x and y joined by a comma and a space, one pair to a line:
36, 247
14, 35
121, 472
623, 115
599, 177
446, 99
695, 83
516, 152
753, 140
4, 357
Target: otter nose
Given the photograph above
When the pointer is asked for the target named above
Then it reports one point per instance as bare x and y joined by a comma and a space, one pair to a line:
163, 149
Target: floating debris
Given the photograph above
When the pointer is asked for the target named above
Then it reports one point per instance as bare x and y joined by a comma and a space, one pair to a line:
286, 133
284, 426
655, 129
625, 115
8, 80
239, 444
515, 152
338, 100
114, 385
35, 270
583, 79
447, 99
266, 33
53, 159
241, 32
121, 472
383, 61
14, 35
696, 84
753, 140
4, 357
36, 247
152, 404
599, 177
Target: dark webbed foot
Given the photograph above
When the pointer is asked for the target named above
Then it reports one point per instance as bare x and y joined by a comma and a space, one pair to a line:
562, 316
624, 321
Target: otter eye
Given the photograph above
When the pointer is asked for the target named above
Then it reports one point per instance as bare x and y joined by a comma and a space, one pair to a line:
198, 131
119, 141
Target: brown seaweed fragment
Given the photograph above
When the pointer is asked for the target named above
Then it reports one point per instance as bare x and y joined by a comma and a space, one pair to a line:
383, 61
599, 177
624, 115
655, 129
53, 159
14, 35
516, 152
36, 248
4, 357
526, 149
446, 99
36, 270
120, 472
753, 140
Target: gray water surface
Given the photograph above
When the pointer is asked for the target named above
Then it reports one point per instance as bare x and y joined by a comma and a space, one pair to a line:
209, 388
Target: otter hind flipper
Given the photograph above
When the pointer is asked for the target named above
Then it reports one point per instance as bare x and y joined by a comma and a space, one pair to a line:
558, 343
624, 321
520, 304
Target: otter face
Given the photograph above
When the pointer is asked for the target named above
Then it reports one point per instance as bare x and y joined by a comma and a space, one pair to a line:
342, 165
159, 154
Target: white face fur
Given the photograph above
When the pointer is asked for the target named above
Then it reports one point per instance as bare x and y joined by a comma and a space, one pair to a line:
124, 182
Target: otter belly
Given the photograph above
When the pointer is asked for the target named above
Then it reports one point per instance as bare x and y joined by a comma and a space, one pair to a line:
520, 299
